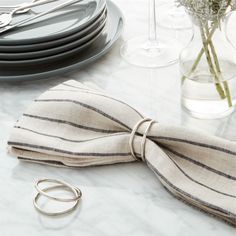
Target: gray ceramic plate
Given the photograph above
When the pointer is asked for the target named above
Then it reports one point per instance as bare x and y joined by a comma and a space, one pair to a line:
73, 60
23, 64
53, 43
35, 56
53, 58
55, 25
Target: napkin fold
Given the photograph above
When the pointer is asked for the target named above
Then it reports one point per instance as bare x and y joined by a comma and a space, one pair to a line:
75, 126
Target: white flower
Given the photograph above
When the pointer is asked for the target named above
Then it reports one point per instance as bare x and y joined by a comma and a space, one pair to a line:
207, 10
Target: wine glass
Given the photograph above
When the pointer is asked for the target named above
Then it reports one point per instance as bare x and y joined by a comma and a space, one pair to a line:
154, 50
172, 16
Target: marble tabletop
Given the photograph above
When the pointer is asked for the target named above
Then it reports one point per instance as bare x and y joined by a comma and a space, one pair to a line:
123, 199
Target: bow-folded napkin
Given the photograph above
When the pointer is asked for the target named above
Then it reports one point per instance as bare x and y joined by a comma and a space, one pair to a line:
73, 125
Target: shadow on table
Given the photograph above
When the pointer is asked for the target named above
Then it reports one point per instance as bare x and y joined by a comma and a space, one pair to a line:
60, 222
224, 127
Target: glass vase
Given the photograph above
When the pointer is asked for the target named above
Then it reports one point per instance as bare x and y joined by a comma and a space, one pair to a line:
208, 73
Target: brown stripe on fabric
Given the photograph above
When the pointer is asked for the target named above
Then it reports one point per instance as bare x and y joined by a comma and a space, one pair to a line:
220, 149
85, 106
199, 163
197, 182
65, 139
72, 124
93, 154
103, 95
204, 203
226, 219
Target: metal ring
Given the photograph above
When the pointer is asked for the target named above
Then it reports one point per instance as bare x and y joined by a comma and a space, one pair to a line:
132, 136
144, 139
59, 212
75, 190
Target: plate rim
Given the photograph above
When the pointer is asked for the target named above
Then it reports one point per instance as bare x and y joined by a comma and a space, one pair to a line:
74, 66
63, 47
62, 40
29, 62
54, 36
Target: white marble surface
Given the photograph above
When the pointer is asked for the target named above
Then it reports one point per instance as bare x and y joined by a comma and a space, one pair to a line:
124, 199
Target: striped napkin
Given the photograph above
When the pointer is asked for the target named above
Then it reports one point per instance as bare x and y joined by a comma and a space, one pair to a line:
74, 126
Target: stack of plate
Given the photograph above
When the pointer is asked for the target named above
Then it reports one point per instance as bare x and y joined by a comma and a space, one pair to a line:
60, 41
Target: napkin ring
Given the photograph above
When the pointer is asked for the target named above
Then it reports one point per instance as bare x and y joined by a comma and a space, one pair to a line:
60, 184
144, 138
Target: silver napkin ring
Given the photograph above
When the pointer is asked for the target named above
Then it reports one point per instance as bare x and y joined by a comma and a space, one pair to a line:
60, 184
144, 138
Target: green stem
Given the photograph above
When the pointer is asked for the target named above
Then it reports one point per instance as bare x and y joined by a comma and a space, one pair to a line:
210, 64
196, 62
218, 70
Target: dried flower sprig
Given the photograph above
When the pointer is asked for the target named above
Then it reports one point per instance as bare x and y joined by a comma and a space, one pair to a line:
208, 10
208, 14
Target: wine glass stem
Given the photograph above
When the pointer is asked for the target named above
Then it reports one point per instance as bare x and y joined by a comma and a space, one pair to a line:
152, 21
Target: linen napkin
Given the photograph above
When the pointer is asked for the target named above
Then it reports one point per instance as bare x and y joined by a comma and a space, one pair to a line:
74, 126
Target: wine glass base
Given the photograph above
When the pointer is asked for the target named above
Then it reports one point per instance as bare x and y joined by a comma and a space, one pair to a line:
151, 54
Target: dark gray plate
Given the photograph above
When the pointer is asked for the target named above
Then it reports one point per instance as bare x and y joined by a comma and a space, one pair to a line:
35, 56
52, 26
73, 60
53, 43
